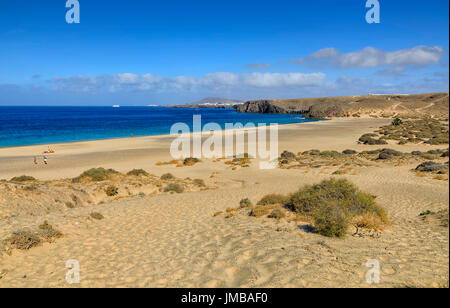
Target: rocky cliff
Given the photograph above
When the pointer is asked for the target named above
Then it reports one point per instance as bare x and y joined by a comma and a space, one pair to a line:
263, 106
435, 105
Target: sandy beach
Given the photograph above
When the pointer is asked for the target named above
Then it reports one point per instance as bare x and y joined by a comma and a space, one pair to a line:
176, 240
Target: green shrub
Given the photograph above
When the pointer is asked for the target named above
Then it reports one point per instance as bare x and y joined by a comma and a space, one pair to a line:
331, 220
273, 199
341, 199
138, 172
309, 198
23, 178
174, 188
96, 175
112, 191
167, 177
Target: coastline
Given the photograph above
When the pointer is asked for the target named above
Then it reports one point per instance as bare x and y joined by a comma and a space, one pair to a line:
145, 224
124, 154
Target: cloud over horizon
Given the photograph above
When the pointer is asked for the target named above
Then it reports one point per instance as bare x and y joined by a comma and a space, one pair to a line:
214, 81
368, 57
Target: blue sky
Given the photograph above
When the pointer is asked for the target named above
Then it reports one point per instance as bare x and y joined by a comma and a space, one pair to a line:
169, 52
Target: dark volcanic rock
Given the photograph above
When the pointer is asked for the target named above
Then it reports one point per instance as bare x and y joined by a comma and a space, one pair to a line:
260, 107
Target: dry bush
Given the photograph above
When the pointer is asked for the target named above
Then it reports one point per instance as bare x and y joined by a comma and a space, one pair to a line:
23, 240
273, 199
172, 162
368, 221
260, 211
167, 177
112, 191
277, 213
138, 172
47, 232
190, 161
177, 188
199, 182
97, 216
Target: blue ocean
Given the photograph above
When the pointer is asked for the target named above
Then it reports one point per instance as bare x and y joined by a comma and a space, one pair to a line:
20, 126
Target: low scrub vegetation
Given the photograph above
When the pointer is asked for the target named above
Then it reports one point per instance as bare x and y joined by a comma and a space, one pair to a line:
96, 175
138, 172
23, 178
167, 177
428, 131
332, 205
177, 188
26, 239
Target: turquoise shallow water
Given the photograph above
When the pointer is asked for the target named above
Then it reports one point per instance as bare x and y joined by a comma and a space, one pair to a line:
21, 126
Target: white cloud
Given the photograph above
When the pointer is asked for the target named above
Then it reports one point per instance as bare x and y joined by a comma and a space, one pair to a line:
214, 81
373, 57
283, 80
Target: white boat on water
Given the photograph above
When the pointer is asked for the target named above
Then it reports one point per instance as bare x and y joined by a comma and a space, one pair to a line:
116, 106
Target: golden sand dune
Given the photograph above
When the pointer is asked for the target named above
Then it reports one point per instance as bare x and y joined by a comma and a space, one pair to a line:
176, 240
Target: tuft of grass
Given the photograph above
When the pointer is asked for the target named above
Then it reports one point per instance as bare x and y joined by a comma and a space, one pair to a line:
260, 211
368, 221
245, 203
112, 191
48, 233
273, 199
23, 178
97, 216
277, 213
177, 188
138, 172
96, 175
167, 177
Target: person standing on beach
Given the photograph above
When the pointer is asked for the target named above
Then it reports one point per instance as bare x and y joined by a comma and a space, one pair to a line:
35, 160
45, 160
